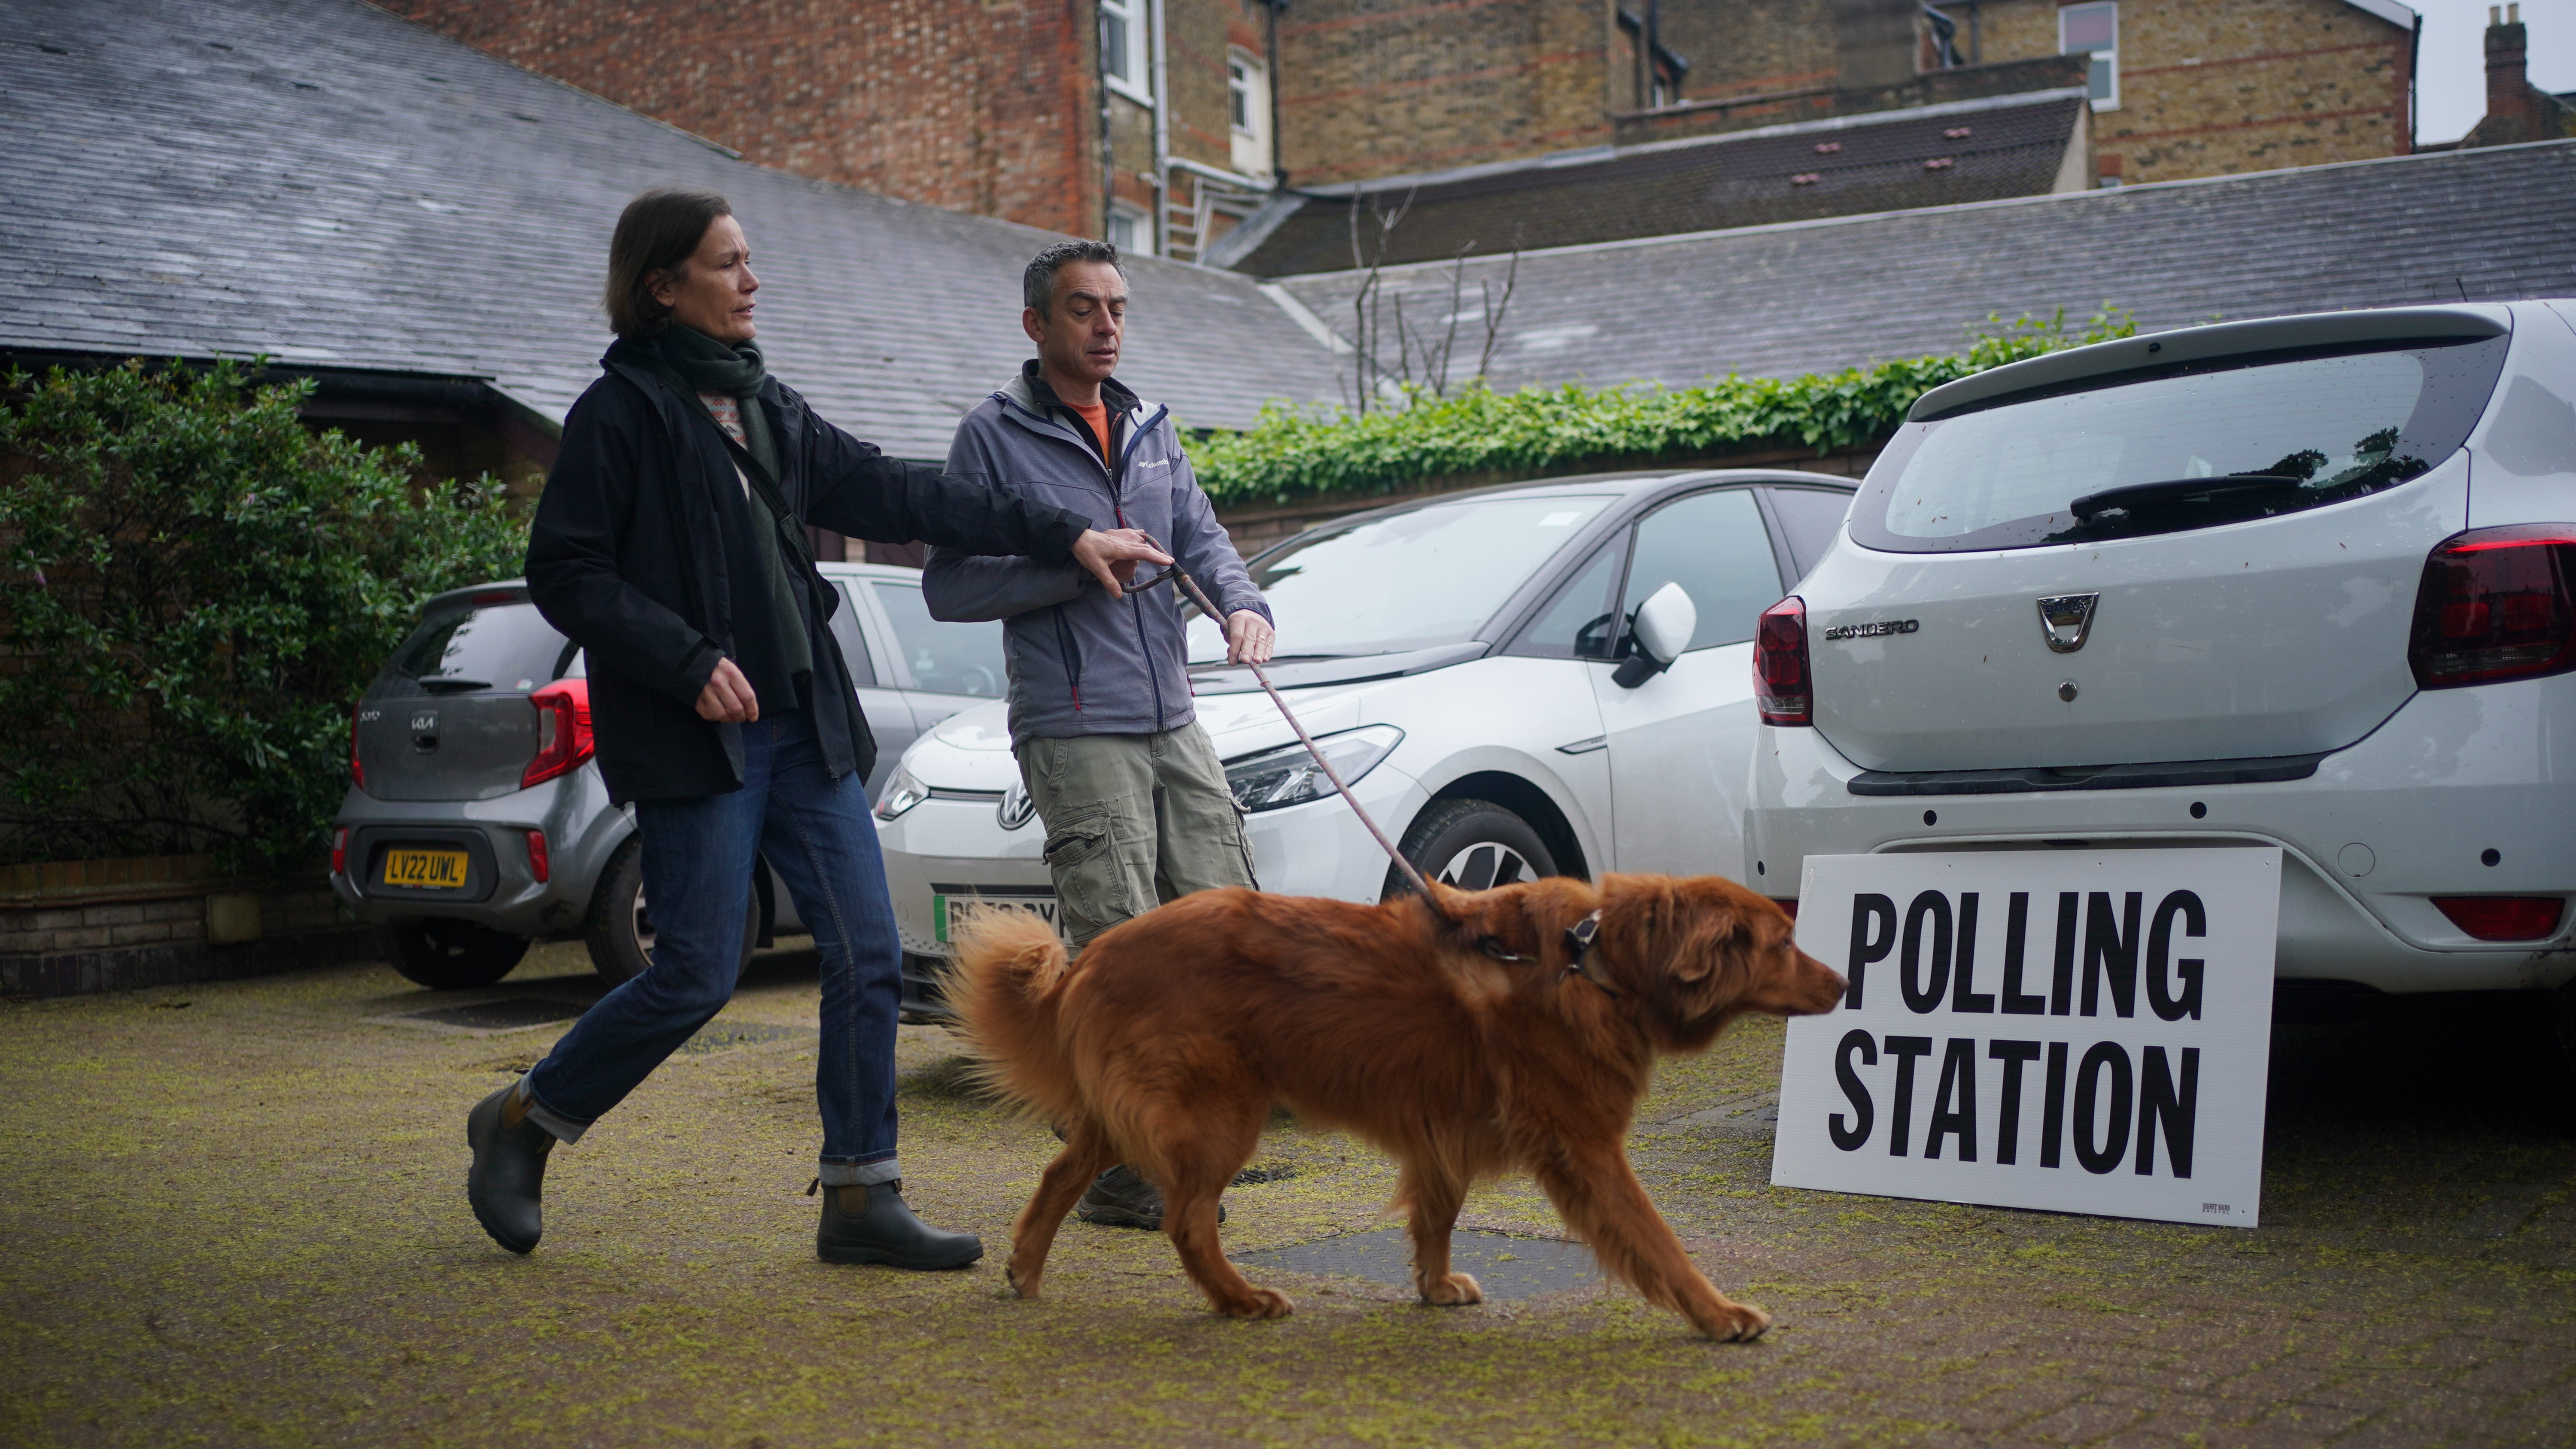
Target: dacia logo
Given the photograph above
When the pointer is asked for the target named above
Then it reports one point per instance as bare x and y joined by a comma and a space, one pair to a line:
2064, 620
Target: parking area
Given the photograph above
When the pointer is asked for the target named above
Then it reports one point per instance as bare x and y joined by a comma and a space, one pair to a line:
234, 1214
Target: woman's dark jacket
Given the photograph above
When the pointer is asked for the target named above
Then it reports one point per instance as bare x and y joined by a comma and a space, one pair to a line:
625, 558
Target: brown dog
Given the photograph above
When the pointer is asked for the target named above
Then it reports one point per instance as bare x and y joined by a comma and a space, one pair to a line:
1464, 1048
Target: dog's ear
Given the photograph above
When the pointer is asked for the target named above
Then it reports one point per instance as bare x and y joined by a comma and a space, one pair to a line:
1501, 924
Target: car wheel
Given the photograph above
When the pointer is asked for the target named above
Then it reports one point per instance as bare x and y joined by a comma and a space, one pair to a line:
449, 955
620, 933
1472, 845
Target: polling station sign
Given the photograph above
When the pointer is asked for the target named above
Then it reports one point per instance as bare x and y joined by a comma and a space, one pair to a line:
2086, 1031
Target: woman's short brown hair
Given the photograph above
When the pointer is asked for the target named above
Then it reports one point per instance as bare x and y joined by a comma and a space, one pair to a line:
656, 232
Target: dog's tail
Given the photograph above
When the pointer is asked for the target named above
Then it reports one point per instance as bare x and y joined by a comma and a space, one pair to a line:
1006, 985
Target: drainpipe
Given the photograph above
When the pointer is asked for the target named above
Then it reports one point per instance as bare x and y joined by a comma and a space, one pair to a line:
1162, 140
1278, 144
1100, 83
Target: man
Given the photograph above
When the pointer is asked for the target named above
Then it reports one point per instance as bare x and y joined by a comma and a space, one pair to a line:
1135, 803
670, 545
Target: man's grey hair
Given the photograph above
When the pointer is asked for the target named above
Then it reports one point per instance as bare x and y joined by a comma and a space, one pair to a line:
1037, 284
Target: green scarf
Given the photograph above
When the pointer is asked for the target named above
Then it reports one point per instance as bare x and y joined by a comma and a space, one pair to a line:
696, 363
700, 363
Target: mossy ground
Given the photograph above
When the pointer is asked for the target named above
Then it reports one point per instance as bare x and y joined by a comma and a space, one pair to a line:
234, 1214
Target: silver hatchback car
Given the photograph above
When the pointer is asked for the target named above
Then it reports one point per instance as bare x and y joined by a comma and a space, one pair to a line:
476, 821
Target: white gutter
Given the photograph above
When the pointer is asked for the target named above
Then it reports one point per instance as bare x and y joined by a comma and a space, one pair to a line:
1218, 173
1304, 316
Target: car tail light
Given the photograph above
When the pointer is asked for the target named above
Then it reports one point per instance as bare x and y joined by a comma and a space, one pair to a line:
357, 767
1782, 686
563, 731
340, 851
2503, 918
2496, 603
537, 855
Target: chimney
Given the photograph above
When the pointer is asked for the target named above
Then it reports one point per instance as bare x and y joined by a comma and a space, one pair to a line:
2508, 85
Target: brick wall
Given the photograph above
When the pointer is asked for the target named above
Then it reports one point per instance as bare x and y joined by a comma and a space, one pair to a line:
2210, 90
112, 925
1382, 87
986, 107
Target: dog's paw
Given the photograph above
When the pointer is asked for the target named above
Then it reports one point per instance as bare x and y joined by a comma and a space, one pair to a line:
1261, 1303
1454, 1291
1024, 1285
1736, 1323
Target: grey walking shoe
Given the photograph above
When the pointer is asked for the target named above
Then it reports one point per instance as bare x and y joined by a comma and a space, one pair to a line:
870, 1223
506, 1184
1122, 1198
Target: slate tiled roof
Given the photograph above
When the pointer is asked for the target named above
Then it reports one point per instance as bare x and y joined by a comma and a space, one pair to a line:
334, 186
1923, 156
1816, 296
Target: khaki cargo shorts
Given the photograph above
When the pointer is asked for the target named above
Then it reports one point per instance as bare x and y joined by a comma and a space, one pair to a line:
1133, 821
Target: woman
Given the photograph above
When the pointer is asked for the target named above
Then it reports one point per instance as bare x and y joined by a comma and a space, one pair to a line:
670, 545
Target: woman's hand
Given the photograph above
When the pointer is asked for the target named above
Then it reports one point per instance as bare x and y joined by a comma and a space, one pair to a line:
1112, 556
727, 697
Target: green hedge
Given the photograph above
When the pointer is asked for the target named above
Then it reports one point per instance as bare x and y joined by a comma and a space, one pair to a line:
194, 587
1293, 453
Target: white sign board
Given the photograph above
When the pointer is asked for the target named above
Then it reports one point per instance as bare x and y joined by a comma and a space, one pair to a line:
2073, 1030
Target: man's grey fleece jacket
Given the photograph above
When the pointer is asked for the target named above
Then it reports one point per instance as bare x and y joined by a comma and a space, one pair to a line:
1080, 661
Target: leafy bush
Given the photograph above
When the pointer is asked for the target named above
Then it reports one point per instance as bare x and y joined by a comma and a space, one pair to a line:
1292, 453
194, 588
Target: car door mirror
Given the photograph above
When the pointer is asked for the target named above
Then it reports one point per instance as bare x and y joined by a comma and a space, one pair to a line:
1661, 631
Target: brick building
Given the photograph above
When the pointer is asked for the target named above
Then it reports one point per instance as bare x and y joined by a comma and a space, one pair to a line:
1148, 121
2182, 88
2517, 110
1163, 123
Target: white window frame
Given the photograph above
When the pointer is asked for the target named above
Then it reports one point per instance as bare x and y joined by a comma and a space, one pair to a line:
1137, 84
1248, 77
2105, 56
1140, 228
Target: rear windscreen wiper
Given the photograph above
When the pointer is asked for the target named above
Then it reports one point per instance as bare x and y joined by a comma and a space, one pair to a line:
2133, 496
450, 684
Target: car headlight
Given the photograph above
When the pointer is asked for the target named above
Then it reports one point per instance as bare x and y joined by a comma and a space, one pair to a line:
902, 792
1288, 776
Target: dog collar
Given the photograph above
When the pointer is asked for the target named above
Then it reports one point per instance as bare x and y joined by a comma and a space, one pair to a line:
1578, 949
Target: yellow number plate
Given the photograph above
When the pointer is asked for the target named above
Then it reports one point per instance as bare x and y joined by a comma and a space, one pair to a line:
431, 870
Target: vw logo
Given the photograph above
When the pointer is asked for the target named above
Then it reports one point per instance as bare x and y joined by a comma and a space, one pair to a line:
1016, 808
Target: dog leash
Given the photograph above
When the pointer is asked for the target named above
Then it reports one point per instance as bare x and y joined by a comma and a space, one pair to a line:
1578, 937
1412, 876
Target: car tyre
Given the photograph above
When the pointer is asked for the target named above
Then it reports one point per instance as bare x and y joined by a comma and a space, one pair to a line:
619, 931
452, 955
1472, 845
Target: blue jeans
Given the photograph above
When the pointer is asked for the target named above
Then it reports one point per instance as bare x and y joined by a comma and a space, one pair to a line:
698, 859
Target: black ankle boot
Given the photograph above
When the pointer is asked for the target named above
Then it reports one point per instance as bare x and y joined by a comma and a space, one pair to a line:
506, 1184
869, 1223
1122, 1198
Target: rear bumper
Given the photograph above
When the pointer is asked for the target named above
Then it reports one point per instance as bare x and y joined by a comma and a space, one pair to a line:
2382, 827
582, 829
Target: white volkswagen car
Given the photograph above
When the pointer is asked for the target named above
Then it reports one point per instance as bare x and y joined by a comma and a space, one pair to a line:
2307, 582
1471, 663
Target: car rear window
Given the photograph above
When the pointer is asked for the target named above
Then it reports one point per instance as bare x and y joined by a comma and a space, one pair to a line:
476, 645
2195, 447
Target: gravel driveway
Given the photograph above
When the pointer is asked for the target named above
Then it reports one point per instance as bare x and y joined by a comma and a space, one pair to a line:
234, 1214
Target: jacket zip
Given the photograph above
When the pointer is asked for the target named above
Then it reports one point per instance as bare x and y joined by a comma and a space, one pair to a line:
1065, 642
